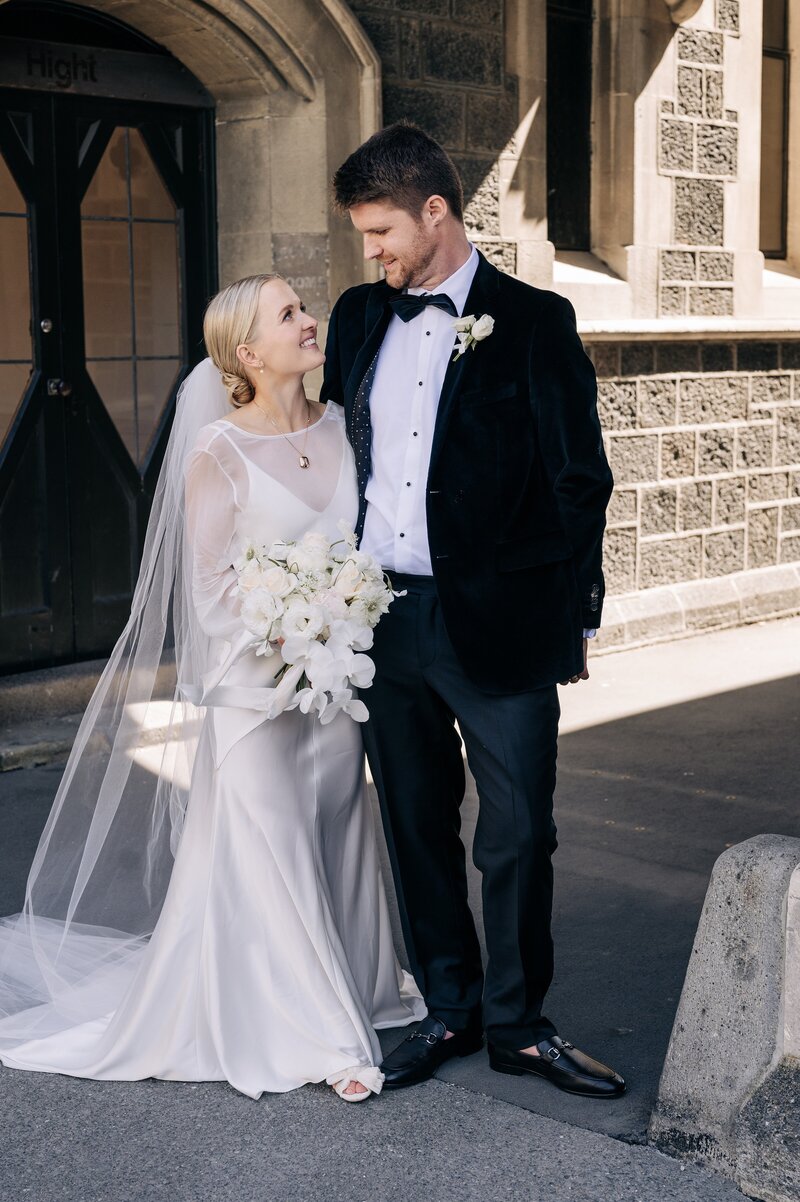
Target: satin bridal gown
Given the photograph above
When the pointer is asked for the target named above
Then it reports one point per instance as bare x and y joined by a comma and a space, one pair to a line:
272, 961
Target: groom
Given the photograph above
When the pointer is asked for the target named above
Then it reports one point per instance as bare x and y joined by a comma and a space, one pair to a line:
483, 487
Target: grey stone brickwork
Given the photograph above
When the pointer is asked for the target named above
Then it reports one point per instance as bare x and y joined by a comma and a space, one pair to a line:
444, 68
698, 148
704, 442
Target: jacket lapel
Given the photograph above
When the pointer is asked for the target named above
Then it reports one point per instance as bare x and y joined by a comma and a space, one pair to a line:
480, 300
377, 316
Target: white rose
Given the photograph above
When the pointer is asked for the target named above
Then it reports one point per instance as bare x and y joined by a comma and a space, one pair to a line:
348, 580
311, 554
482, 328
278, 551
250, 576
279, 581
462, 325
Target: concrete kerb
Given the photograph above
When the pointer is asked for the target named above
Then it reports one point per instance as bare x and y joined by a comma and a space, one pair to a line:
729, 1096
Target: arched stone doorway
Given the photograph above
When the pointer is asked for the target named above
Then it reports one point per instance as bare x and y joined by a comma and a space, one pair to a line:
81, 441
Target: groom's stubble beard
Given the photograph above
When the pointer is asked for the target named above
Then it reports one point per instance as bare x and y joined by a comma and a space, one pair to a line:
421, 255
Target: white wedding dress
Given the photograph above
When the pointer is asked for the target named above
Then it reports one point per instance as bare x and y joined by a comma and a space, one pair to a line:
271, 963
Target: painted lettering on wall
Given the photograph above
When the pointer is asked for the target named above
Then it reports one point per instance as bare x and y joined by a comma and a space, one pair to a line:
64, 70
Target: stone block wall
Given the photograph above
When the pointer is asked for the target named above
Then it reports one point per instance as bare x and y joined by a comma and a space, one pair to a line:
444, 68
704, 442
698, 147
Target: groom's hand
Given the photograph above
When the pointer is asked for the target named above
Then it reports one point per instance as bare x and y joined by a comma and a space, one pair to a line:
585, 673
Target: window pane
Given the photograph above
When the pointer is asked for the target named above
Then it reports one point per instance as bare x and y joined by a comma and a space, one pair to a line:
107, 194
15, 303
156, 293
13, 378
114, 382
154, 379
11, 199
775, 24
569, 108
107, 289
149, 197
773, 152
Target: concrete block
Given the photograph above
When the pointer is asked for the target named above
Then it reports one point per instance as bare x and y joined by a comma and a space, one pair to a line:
465, 56
634, 458
729, 1068
605, 357
717, 356
715, 265
669, 560
787, 445
713, 95
729, 500
659, 510
768, 486
789, 548
677, 357
766, 593
757, 356
699, 212
438, 111
678, 265
619, 560
771, 390
690, 91
676, 145
790, 516
762, 537
709, 604
754, 445
728, 15
723, 552
678, 454
658, 402
716, 149
652, 614
715, 451
711, 302
622, 507
700, 46
695, 505
672, 301
636, 358
713, 399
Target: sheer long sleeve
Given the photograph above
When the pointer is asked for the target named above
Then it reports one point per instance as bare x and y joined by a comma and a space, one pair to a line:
210, 526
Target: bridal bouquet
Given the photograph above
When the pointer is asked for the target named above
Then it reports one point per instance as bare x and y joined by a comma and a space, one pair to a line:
316, 604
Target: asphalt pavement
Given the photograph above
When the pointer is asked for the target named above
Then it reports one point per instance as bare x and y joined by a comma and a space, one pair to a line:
668, 755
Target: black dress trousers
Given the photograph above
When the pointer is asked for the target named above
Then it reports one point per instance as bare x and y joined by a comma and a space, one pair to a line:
420, 691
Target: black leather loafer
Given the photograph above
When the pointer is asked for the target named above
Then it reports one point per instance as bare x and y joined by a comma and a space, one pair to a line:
420, 1054
564, 1065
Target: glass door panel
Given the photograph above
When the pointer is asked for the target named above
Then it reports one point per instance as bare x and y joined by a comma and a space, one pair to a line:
15, 298
131, 283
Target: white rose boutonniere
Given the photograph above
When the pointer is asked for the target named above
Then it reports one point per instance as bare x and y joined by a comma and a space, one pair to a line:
470, 331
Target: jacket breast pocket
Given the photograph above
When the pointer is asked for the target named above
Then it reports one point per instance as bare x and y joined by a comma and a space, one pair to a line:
532, 552
489, 395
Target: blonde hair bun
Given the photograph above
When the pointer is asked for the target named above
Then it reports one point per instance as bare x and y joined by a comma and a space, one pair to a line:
229, 321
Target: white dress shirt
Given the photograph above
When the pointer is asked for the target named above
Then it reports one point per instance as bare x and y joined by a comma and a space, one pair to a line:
403, 403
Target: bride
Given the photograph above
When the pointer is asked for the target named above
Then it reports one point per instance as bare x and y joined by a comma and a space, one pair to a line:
206, 900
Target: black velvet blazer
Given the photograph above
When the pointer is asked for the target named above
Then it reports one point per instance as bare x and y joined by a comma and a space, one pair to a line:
518, 481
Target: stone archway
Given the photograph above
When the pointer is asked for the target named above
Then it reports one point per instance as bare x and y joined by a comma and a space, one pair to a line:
297, 87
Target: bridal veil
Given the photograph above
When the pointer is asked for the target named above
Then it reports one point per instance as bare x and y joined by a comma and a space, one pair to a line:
103, 864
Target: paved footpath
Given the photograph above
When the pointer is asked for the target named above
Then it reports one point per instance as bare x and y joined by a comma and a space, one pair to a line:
667, 755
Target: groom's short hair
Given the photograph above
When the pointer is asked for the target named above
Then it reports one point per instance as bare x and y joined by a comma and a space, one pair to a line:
402, 164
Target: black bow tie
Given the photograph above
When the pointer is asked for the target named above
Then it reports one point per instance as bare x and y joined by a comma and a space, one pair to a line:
408, 307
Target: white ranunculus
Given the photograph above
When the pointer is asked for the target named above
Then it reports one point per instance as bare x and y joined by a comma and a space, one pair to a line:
335, 605
482, 327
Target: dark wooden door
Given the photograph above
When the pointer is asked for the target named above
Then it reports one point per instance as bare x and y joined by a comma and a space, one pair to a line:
106, 262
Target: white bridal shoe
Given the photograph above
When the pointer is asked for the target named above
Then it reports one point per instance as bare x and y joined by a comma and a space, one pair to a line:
365, 1074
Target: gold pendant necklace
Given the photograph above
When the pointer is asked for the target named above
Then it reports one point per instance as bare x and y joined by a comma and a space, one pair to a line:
302, 459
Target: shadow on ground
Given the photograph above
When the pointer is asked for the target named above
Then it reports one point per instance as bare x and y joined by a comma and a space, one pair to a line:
644, 807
